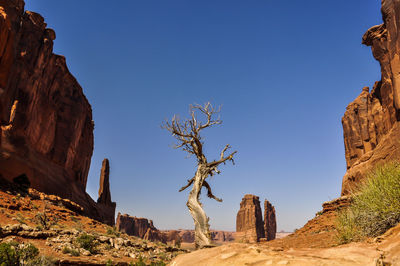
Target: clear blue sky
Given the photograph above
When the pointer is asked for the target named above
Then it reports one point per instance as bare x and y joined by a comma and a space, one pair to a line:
284, 72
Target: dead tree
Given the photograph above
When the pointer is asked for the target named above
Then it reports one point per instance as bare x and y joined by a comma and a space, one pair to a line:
187, 133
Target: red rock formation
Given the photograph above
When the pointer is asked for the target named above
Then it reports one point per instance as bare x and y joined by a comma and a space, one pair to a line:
140, 227
370, 124
336, 204
187, 236
249, 222
222, 236
46, 121
269, 221
104, 199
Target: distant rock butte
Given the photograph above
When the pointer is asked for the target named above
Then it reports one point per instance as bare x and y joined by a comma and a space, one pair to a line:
46, 120
187, 236
249, 221
140, 227
371, 126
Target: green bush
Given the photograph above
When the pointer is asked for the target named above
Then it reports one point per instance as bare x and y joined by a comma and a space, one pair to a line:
14, 254
27, 252
8, 254
87, 242
112, 231
375, 207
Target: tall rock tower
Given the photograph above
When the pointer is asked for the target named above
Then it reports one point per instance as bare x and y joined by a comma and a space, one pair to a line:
104, 200
269, 221
249, 222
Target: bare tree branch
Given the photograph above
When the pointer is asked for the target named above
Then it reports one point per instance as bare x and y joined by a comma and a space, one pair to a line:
190, 181
222, 158
209, 192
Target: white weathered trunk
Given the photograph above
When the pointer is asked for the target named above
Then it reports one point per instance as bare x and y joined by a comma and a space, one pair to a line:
202, 230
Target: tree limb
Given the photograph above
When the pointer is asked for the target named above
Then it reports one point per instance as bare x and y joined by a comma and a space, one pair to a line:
222, 158
190, 181
209, 192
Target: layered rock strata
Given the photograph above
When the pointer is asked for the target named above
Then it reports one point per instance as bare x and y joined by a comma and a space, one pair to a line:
371, 122
46, 122
104, 199
140, 227
269, 221
249, 221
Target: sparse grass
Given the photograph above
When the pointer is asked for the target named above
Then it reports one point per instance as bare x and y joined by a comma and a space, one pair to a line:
375, 207
20, 218
87, 242
73, 252
112, 231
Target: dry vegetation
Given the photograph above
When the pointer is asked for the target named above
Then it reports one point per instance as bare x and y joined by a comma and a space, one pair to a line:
30, 220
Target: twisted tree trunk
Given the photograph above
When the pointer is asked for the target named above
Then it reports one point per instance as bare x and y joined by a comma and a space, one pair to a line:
188, 135
202, 228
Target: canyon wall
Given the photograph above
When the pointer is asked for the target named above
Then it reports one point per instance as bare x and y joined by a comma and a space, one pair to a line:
46, 121
371, 122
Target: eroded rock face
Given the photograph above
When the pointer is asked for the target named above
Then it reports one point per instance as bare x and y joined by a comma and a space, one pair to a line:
249, 221
370, 123
269, 221
140, 227
104, 199
46, 120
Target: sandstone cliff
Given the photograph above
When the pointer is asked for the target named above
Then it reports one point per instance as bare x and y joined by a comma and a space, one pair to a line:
46, 120
371, 122
249, 221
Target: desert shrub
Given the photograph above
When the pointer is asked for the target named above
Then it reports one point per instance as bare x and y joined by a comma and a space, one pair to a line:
375, 207
112, 231
8, 254
27, 252
17, 254
87, 242
73, 252
42, 261
43, 221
